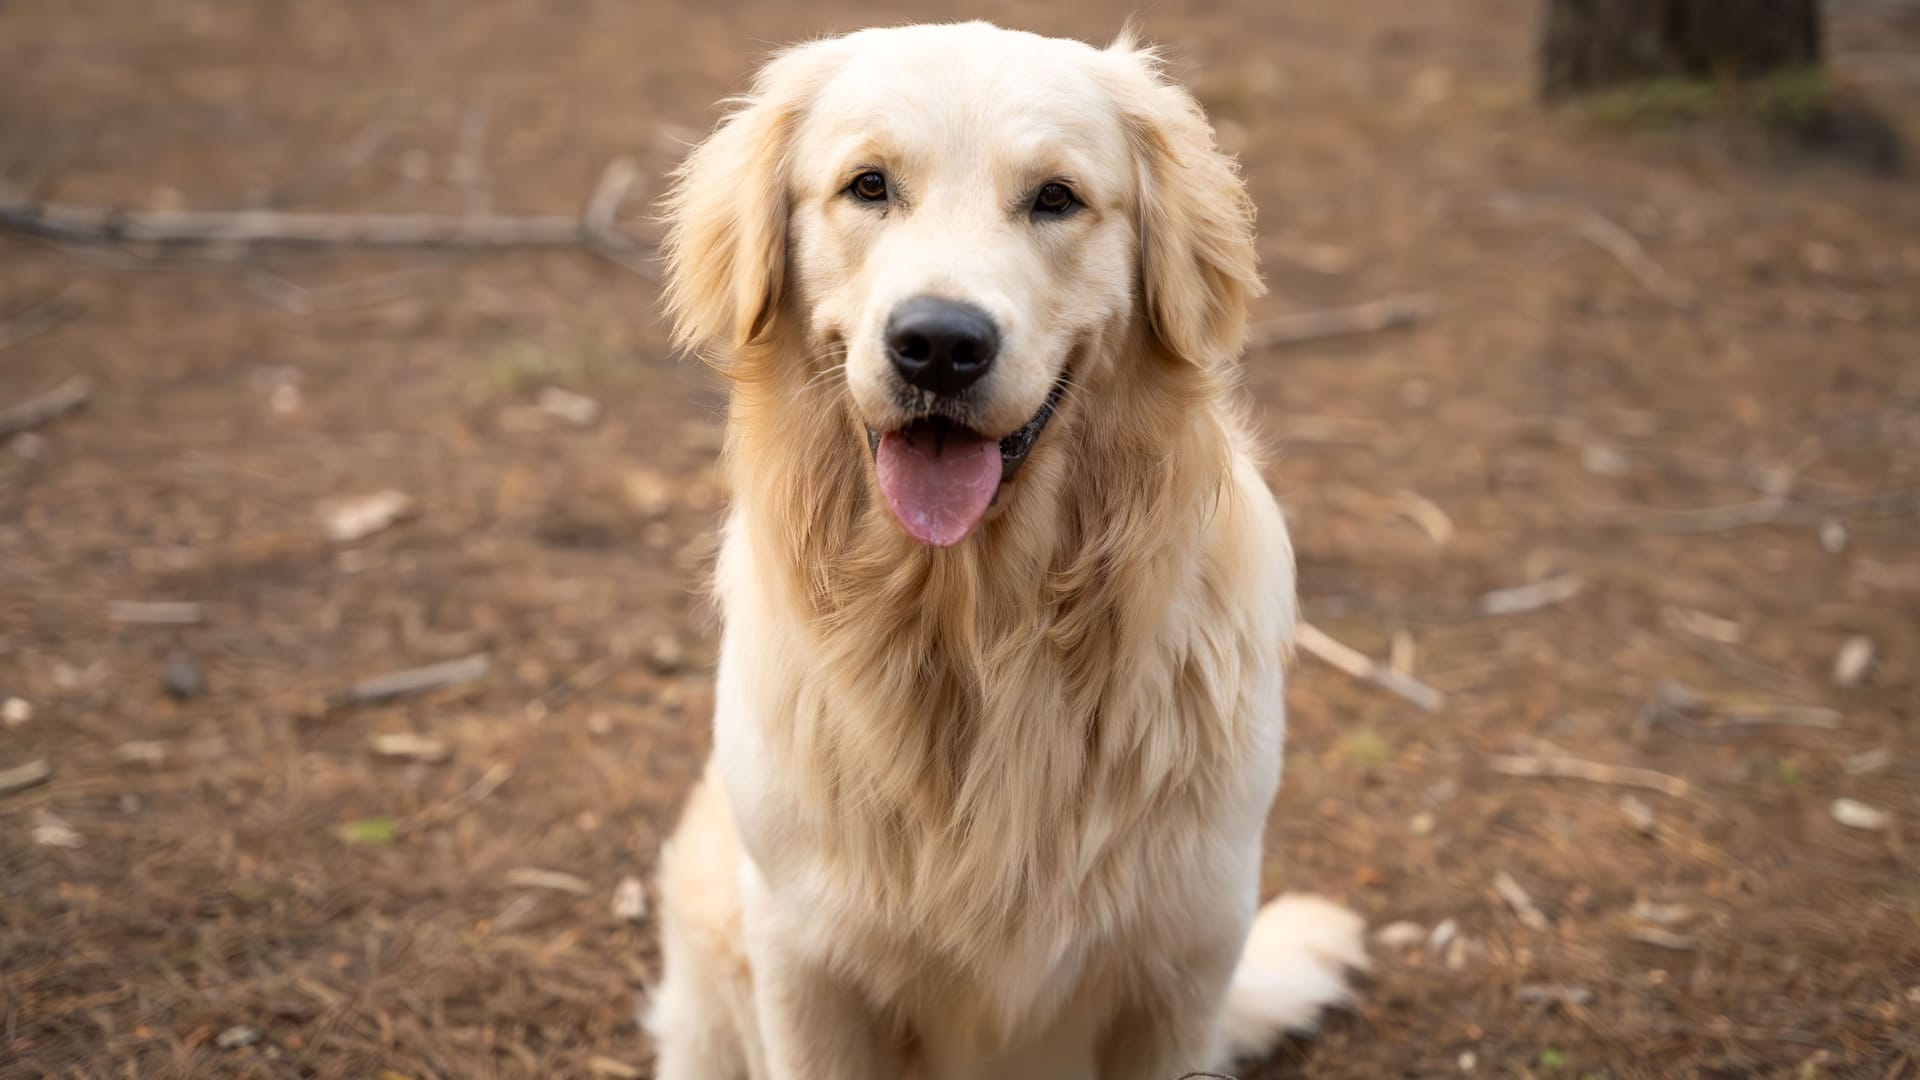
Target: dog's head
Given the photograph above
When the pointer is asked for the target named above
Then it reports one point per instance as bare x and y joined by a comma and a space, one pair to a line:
962, 226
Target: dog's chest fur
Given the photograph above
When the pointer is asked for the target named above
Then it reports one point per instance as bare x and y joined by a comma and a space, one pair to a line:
978, 794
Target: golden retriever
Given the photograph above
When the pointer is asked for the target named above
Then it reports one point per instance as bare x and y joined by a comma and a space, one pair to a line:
1006, 600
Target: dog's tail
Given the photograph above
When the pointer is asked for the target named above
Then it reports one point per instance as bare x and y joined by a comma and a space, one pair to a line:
1295, 966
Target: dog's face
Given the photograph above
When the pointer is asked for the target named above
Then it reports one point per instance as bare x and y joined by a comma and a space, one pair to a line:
960, 222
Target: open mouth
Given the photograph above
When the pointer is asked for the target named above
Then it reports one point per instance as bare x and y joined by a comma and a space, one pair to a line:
939, 476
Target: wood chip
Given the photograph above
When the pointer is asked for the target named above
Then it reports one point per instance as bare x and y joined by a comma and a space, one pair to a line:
155, 612
666, 655
1566, 768
141, 752
1639, 815
1663, 939
237, 1036
49, 830
1317, 644
1443, 935
1427, 514
1550, 993
1867, 761
1851, 664
357, 517
1663, 914
15, 711
21, 777
1524, 908
648, 492
528, 877
1400, 935
613, 1069
1855, 814
1833, 536
1702, 625
1525, 598
406, 746
630, 900
576, 409
413, 681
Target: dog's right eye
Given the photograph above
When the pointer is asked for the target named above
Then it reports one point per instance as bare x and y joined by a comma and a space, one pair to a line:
869, 187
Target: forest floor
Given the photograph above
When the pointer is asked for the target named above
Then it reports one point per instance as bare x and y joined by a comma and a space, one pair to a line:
1669, 375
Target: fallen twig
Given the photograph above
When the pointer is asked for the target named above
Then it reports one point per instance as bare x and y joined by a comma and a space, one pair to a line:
1616, 241
1663, 939
1524, 908
592, 231
412, 681
1524, 598
56, 402
444, 811
1313, 641
1602, 232
1427, 514
531, 877
1373, 317
155, 612
1699, 522
21, 777
1566, 768
1681, 709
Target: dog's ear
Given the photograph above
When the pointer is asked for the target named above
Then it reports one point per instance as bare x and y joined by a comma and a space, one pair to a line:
1198, 267
726, 211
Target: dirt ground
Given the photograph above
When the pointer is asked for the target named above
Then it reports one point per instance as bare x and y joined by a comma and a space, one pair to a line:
1675, 375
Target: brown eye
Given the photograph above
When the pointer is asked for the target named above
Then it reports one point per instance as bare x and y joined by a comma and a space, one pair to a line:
1055, 198
869, 187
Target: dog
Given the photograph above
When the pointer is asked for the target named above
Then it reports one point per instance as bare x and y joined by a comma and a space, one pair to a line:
1006, 600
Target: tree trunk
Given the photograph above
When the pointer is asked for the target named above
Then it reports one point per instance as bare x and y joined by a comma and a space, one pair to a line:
1590, 44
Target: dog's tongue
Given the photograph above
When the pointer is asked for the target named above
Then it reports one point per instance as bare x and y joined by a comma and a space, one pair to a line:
937, 482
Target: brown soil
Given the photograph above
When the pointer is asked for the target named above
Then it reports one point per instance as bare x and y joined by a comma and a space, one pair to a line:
1558, 407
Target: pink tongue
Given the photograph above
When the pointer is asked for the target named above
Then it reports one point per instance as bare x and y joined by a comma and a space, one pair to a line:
937, 484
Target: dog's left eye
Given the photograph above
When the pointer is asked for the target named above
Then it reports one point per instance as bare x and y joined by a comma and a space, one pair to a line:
1054, 199
869, 187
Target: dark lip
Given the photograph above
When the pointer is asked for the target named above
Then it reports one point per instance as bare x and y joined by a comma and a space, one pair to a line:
1014, 448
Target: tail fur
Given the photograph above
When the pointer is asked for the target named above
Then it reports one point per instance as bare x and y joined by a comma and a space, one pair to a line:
1294, 967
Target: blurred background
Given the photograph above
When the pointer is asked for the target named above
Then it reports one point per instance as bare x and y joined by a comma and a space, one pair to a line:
354, 519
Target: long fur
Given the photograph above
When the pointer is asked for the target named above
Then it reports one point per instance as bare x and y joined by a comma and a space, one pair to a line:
991, 810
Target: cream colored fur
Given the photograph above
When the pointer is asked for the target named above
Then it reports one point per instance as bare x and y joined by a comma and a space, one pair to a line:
992, 811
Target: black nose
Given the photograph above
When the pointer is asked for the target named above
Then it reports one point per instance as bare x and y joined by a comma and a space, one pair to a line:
941, 345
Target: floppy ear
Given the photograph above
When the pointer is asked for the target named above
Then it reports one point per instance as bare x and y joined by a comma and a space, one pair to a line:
726, 212
1198, 267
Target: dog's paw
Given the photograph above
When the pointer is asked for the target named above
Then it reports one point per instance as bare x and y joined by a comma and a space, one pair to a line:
1295, 966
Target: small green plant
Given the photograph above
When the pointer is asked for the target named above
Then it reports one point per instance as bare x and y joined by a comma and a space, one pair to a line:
1366, 749
373, 830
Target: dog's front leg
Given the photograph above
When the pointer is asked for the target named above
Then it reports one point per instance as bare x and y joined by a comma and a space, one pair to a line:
815, 1027
813, 1024
1172, 1034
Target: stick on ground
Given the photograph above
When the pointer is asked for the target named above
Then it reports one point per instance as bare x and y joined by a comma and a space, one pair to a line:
1391, 313
1314, 642
1566, 768
33, 412
592, 230
21, 777
413, 681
